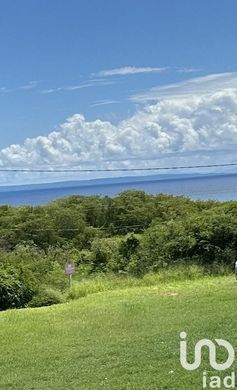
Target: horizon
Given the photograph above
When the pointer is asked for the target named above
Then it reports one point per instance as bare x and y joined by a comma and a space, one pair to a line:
123, 179
219, 187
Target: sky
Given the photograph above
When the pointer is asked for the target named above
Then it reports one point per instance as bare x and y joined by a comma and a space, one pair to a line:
109, 84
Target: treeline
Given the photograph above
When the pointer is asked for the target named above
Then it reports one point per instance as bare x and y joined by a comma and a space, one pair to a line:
133, 233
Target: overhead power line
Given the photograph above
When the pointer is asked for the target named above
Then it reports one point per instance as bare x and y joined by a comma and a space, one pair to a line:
139, 169
68, 229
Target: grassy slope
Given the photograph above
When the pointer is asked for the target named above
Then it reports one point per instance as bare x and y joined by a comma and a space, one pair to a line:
123, 339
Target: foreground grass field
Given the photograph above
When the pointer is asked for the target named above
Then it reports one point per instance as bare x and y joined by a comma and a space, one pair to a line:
122, 339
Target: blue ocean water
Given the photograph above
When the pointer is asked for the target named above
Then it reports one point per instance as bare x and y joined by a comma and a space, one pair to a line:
219, 187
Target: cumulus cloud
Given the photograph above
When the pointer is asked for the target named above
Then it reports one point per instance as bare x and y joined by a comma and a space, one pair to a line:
127, 70
189, 130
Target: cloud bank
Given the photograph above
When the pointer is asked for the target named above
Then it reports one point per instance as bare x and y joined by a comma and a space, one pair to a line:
188, 130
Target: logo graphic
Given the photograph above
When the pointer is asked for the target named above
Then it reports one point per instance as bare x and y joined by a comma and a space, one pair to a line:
212, 354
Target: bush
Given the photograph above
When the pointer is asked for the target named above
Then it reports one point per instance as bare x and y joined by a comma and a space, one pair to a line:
56, 277
47, 297
15, 290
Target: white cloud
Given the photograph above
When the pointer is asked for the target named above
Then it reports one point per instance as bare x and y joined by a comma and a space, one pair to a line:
194, 129
86, 84
188, 69
104, 102
128, 70
28, 86
195, 86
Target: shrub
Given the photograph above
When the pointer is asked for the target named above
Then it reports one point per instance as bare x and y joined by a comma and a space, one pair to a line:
14, 293
56, 277
47, 297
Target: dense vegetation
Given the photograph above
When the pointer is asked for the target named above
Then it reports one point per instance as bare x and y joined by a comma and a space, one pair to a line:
131, 234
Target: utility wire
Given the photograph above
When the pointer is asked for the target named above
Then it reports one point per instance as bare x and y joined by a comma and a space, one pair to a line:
69, 229
64, 170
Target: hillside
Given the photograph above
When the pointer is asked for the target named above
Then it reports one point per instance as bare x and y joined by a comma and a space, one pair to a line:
124, 339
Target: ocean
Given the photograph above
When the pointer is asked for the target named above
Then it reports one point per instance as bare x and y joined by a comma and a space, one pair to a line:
219, 187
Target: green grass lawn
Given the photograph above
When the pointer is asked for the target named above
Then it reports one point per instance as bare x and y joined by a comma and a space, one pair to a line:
122, 339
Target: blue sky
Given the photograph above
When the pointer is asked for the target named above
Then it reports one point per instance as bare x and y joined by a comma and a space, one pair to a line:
102, 58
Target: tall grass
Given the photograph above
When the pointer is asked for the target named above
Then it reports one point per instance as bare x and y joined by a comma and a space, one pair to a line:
105, 282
